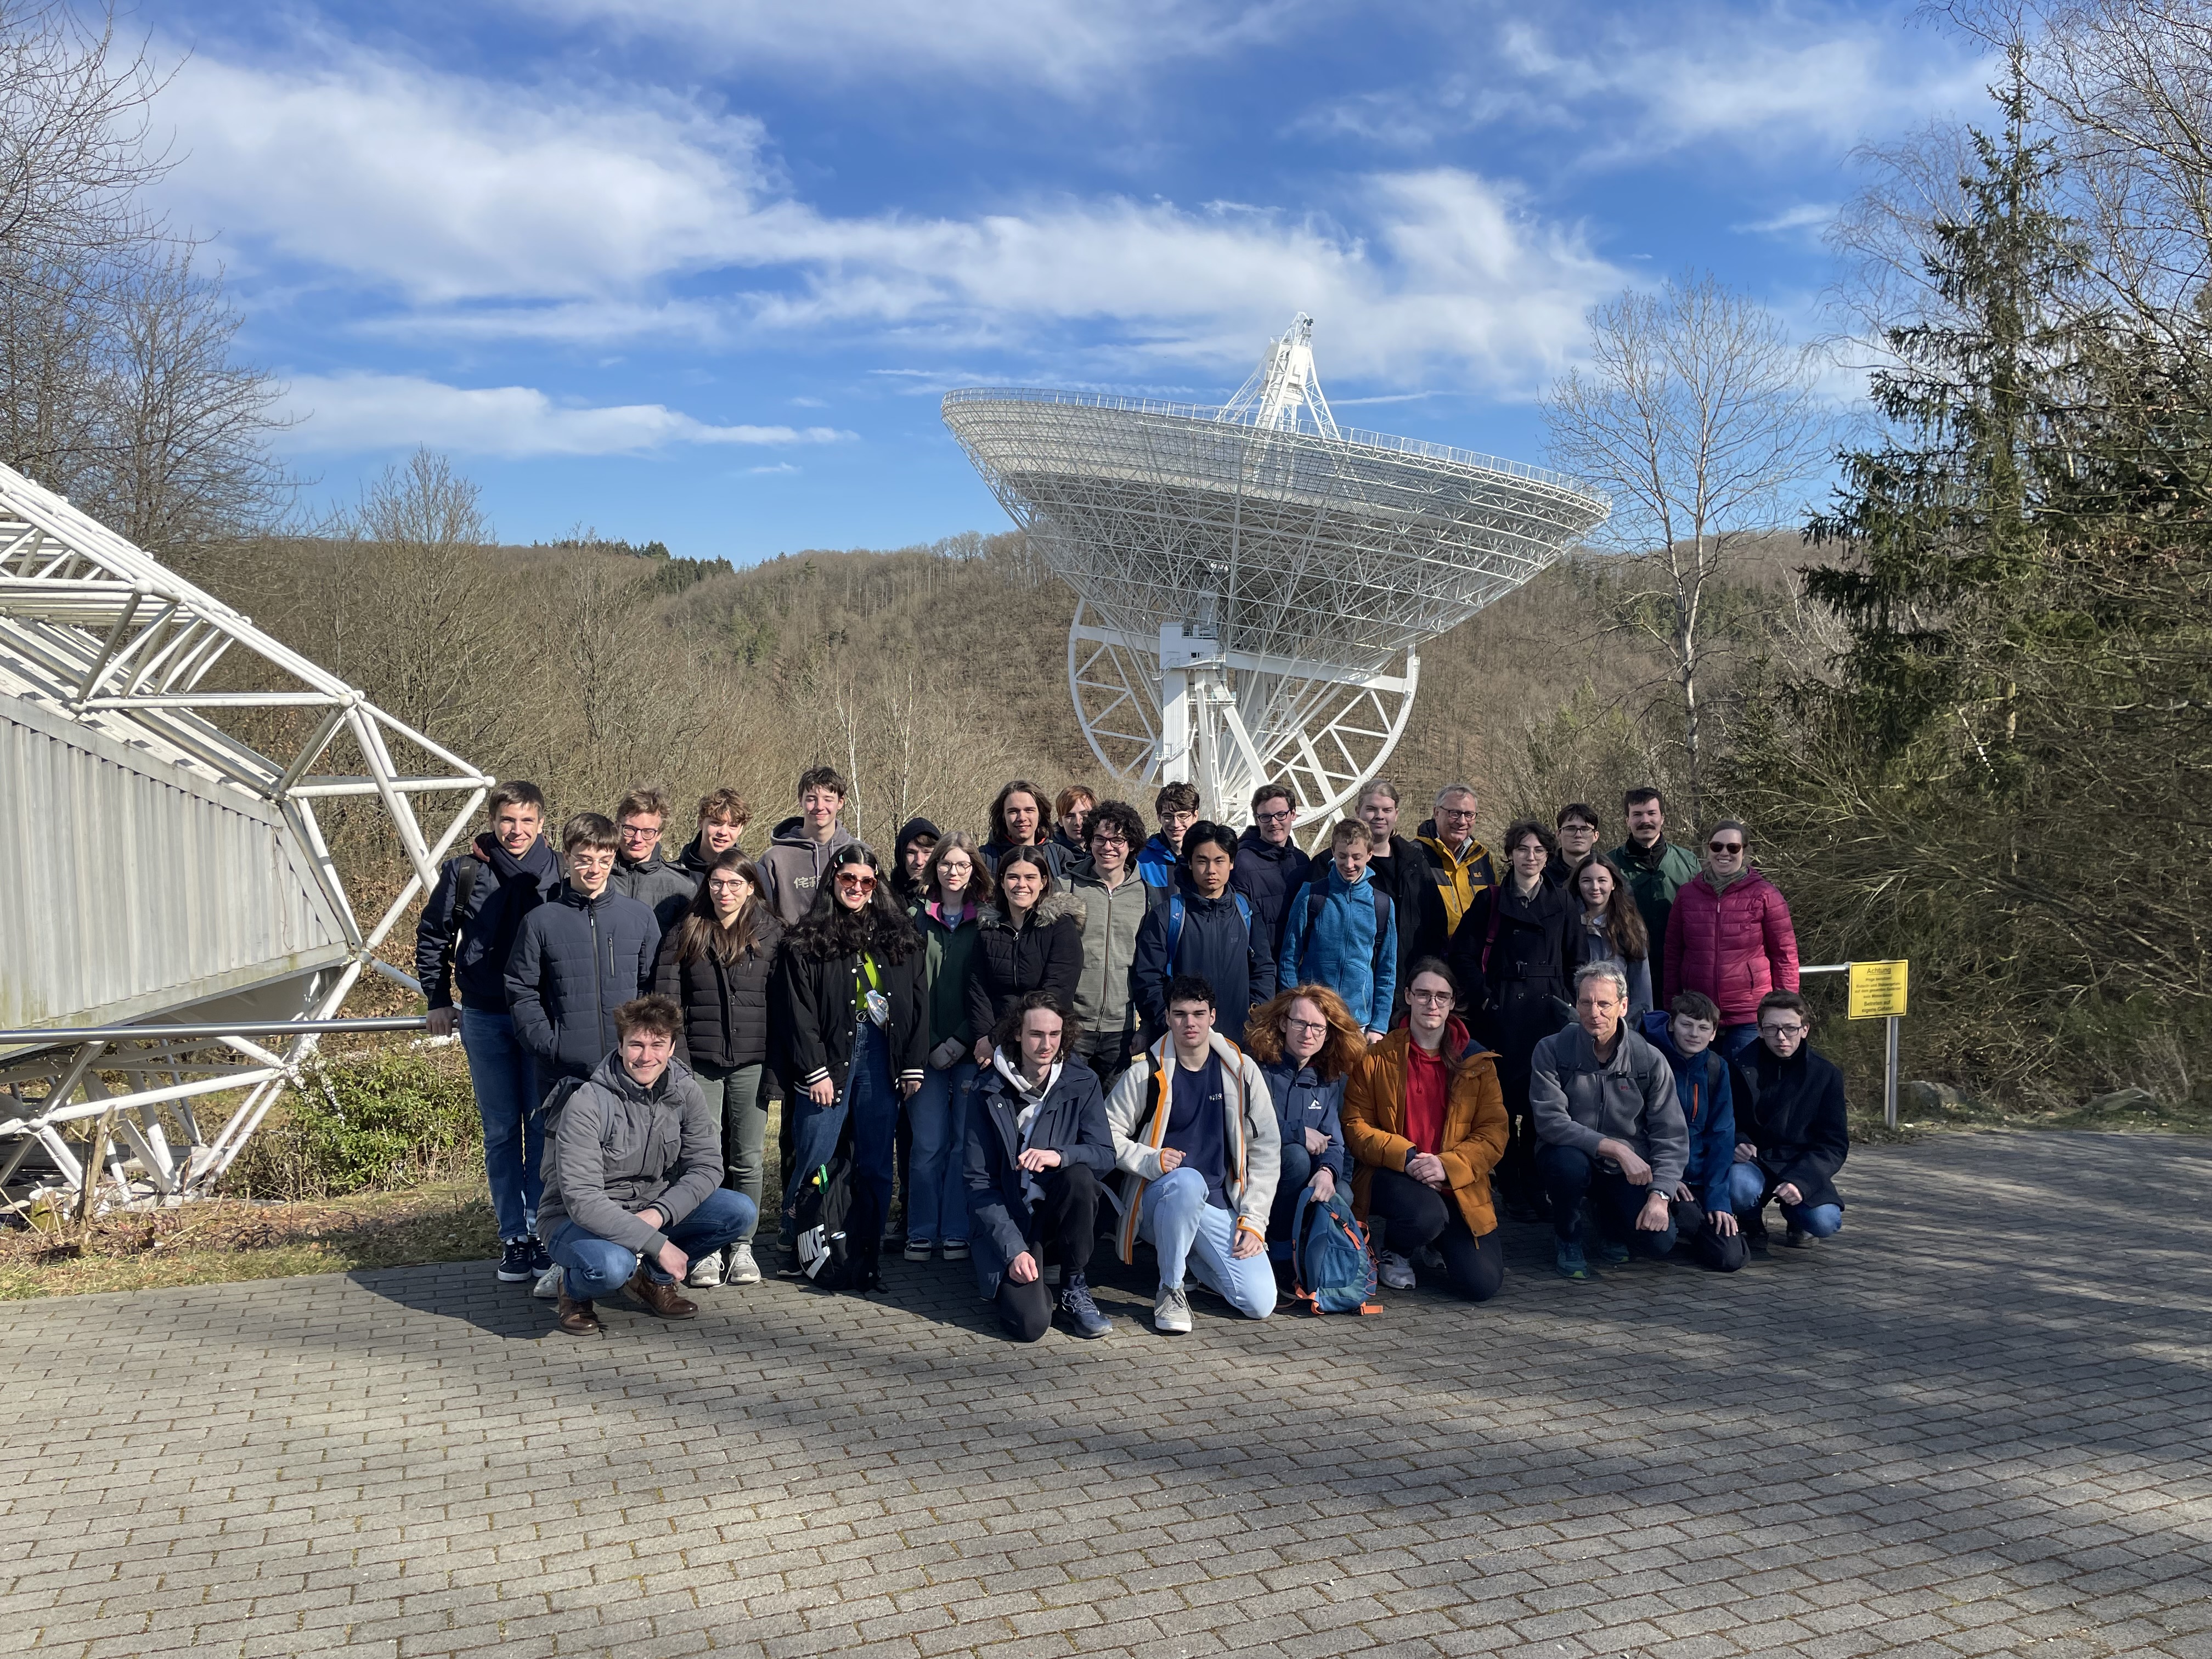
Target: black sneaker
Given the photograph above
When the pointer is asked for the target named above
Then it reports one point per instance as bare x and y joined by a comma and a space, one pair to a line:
541, 1258
1080, 1311
515, 1266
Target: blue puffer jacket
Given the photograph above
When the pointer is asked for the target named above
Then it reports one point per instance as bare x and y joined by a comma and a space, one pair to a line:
575, 961
1304, 1102
1338, 947
1072, 1121
1702, 1086
1158, 866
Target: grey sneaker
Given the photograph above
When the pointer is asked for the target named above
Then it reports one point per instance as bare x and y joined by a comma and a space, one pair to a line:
1082, 1313
1394, 1271
743, 1269
1171, 1311
706, 1273
548, 1284
1429, 1259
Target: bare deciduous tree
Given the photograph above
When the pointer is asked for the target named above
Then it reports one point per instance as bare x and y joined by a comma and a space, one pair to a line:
1697, 414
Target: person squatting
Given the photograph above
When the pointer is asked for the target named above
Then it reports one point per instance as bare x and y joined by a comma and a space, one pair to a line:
1075, 1035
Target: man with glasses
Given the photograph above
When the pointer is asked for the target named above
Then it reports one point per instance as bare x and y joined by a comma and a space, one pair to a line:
1729, 938
641, 872
1792, 1130
1657, 869
1460, 864
1114, 903
1270, 867
1576, 829
1608, 1126
1158, 864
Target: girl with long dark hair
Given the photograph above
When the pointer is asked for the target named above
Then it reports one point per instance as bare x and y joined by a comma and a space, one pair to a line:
955, 889
1609, 927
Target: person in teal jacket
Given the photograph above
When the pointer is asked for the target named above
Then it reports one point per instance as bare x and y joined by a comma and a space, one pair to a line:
1340, 931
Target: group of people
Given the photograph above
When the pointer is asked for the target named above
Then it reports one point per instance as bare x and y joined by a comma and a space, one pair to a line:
1075, 1032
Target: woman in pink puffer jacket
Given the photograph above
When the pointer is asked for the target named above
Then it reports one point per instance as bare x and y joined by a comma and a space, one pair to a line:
1729, 934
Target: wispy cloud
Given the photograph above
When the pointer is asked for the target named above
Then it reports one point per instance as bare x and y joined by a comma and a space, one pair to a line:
346, 413
1806, 218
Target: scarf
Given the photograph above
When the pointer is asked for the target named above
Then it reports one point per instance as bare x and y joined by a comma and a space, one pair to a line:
1033, 1099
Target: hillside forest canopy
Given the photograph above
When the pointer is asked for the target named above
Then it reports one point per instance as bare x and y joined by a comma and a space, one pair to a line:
1960, 696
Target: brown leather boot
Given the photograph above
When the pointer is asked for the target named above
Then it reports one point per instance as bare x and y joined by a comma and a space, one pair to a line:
663, 1299
577, 1318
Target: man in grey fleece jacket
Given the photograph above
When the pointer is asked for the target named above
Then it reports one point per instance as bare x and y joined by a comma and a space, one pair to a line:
1609, 1127
633, 1176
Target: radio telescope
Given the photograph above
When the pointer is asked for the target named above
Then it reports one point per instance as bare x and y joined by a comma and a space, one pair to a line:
1255, 581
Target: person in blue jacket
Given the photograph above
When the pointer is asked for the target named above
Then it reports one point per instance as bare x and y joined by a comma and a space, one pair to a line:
1203, 929
1704, 1212
1159, 862
1307, 1042
1341, 931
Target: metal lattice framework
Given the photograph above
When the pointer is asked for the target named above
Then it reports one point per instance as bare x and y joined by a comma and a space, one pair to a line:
195, 883
1255, 582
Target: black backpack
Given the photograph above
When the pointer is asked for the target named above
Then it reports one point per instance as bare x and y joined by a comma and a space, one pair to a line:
828, 1255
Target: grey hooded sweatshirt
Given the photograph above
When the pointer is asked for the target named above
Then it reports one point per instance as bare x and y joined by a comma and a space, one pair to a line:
619, 1146
1578, 1100
792, 867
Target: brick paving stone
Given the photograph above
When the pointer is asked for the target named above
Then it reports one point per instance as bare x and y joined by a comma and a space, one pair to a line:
1977, 1423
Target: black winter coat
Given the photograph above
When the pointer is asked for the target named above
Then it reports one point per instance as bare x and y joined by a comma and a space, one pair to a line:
461, 950
1270, 876
575, 961
1217, 945
1045, 954
1424, 924
1072, 1122
726, 1005
1518, 1001
1793, 1111
816, 998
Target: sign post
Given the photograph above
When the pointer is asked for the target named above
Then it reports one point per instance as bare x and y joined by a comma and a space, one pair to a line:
1878, 992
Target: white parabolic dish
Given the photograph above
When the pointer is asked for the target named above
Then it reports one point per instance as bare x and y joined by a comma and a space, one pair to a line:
1255, 583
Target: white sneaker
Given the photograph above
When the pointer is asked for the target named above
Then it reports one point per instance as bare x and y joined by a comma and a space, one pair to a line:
743, 1269
548, 1284
1171, 1311
1394, 1271
706, 1273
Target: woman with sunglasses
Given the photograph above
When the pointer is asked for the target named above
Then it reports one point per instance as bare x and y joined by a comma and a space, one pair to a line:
1729, 937
1306, 1041
1425, 1121
856, 1025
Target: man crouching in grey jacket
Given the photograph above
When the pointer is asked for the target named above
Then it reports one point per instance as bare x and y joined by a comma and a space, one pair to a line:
1609, 1127
633, 1176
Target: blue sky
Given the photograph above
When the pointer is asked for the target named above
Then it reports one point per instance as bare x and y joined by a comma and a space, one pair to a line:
699, 272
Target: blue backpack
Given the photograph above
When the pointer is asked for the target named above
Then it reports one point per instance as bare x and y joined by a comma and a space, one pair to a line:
1175, 922
1329, 1261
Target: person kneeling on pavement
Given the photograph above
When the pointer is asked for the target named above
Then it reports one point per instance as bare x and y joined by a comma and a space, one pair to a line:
1609, 1127
1425, 1116
1037, 1146
1790, 1112
1705, 1214
633, 1174
1195, 1138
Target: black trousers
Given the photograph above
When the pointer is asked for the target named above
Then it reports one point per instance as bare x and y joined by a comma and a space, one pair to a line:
1571, 1175
1517, 1180
1063, 1225
1414, 1214
1693, 1226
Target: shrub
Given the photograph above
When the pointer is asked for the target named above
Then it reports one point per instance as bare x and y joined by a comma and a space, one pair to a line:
383, 1120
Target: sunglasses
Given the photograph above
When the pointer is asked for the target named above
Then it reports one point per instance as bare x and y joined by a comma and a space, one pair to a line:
1725, 846
857, 883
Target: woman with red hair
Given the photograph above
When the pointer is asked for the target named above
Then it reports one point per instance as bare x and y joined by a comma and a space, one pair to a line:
1307, 1042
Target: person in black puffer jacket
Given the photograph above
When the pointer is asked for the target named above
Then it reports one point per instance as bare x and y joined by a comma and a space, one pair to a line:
577, 957
849, 989
718, 963
1030, 940
1509, 958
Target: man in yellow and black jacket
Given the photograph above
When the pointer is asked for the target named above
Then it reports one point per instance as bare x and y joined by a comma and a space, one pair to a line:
1460, 863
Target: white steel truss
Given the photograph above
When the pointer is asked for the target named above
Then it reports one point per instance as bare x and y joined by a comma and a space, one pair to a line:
1255, 582
101, 633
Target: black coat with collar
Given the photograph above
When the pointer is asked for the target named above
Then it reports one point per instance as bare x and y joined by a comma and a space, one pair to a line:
1045, 953
817, 996
1072, 1121
1793, 1111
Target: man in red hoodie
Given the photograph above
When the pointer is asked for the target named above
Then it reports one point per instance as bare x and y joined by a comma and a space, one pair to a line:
1729, 937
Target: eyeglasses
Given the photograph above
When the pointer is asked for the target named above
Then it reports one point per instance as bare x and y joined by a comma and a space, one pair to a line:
1725, 846
1310, 1026
857, 883
641, 832
1102, 839
1428, 996
1183, 818
1283, 817
1781, 1030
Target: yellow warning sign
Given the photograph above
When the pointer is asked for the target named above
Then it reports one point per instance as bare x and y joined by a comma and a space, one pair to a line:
1877, 989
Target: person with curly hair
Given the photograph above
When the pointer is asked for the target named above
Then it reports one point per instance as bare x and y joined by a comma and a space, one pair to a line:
1307, 1042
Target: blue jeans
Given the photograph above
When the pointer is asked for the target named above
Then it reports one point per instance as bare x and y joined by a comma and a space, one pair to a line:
937, 1180
1735, 1041
593, 1266
872, 1104
1747, 1195
508, 1100
1185, 1230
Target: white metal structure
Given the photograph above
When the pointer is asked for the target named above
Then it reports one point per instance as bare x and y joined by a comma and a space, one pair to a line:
175, 873
1255, 581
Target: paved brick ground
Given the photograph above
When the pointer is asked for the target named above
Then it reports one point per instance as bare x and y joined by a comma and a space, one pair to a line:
1980, 1422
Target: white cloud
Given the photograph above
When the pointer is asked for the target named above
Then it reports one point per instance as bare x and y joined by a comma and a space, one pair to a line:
1806, 218
348, 413
1071, 47
561, 215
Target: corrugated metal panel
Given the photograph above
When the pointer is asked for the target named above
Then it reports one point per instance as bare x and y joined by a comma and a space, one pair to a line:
134, 884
